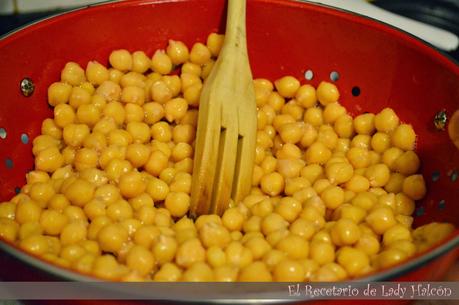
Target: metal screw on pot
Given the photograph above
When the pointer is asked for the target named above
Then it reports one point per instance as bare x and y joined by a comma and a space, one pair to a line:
27, 86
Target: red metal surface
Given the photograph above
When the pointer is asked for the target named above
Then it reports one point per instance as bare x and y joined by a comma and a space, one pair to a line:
284, 37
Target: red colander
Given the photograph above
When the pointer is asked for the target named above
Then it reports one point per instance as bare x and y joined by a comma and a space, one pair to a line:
374, 66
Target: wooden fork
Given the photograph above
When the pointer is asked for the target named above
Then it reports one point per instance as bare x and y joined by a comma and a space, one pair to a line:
227, 124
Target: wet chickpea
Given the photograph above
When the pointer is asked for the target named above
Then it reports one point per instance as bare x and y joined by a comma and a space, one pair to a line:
214, 43
121, 60
327, 93
404, 137
96, 73
161, 62
364, 123
178, 52
353, 260
140, 62
200, 54
414, 187
313, 116
73, 74
306, 96
386, 120
344, 126
59, 93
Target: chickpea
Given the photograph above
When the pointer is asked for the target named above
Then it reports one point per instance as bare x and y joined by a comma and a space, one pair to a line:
327, 93
354, 261
381, 219
110, 91
140, 62
404, 137
272, 183
215, 43
378, 175
386, 120
344, 126
345, 232
96, 73
157, 189
407, 164
200, 54
289, 271
168, 272
332, 112
73, 74
390, 156
263, 89
414, 187
121, 60
313, 116
59, 93
161, 62
190, 252
306, 96
340, 172
177, 203
292, 108
175, 109
138, 154
111, 237
177, 52
332, 196
364, 124
317, 153
139, 132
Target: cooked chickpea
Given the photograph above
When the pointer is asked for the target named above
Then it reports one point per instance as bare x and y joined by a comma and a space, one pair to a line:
404, 137
364, 123
59, 93
215, 43
344, 126
121, 60
272, 183
327, 93
339, 172
332, 196
414, 187
200, 54
354, 261
177, 52
306, 96
140, 62
313, 116
386, 120
378, 175
73, 74
407, 164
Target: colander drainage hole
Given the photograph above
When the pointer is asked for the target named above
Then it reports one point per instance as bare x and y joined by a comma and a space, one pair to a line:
24, 138
9, 163
2, 133
309, 74
334, 76
355, 91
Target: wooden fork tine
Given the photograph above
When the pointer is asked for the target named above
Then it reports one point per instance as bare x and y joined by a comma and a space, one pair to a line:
227, 154
247, 123
206, 154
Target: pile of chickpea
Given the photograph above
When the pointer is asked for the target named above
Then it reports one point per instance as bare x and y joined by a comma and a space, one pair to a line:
332, 195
